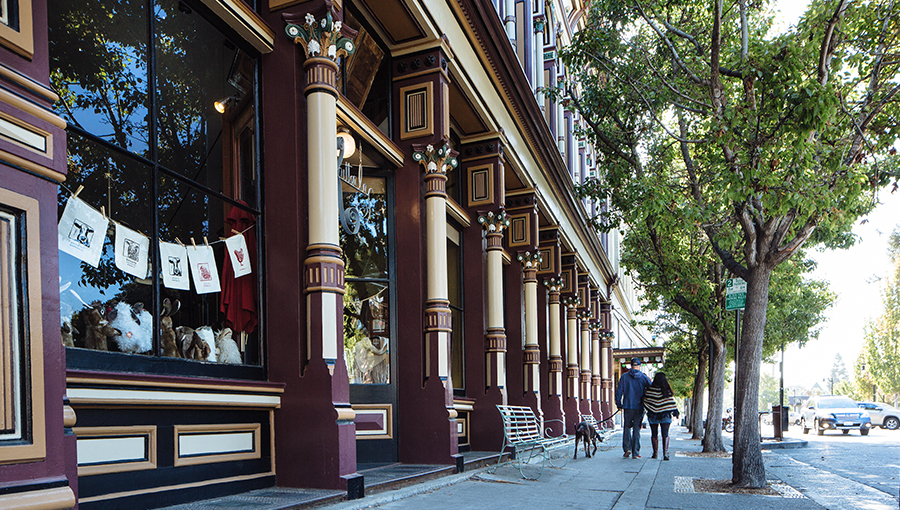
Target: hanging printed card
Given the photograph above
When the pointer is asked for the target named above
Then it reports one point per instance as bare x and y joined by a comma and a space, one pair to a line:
82, 231
131, 251
240, 257
203, 269
174, 266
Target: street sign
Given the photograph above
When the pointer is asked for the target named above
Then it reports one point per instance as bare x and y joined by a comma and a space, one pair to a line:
735, 294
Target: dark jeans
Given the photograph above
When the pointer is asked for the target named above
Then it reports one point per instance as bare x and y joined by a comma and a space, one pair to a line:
665, 429
631, 430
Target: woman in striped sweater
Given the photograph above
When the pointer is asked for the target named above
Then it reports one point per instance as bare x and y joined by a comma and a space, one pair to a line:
660, 404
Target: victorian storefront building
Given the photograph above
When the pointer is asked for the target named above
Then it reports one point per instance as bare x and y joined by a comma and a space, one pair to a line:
279, 243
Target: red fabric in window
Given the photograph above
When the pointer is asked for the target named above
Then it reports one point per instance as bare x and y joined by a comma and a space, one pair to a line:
239, 294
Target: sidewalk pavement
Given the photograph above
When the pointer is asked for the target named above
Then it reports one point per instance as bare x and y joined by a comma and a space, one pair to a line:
609, 481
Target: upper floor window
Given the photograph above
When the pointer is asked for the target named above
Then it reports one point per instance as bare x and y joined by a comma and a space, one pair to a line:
162, 142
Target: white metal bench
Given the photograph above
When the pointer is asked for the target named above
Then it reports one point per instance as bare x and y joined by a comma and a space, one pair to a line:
522, 434
603, 432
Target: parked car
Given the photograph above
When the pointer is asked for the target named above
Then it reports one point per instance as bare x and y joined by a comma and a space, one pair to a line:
794, 417
832, 412
883, 415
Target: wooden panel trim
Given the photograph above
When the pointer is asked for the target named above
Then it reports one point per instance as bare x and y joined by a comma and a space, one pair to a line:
154, 490
388, 429
106, 396
354, 119
56, 498
245, 22
32, 109
36, 448
146, 431
20, 41
428, 107
31, 166
458, 213
184, 430
219, 387
28, 83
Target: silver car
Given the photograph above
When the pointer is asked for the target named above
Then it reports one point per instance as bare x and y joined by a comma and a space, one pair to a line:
883, 415
832, 412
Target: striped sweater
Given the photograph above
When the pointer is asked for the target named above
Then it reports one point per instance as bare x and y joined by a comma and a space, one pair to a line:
655, 403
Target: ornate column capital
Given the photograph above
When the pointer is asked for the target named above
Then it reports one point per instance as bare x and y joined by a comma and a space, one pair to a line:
539, 23
585, 318
606, 336
530, 262
322, 38
570, 302
554, 284
493, 225
436, 164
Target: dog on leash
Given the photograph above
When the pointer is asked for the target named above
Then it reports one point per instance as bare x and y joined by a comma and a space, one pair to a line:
584, 431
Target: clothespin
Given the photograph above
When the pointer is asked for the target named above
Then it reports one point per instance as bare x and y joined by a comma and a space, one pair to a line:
103, 211
179, 242
193, 243
235, 232
77, 191
206, 241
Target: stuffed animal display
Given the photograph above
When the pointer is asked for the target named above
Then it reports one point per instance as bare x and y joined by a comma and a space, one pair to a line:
136, 327
167, 337
206, 334
97, 327
226, 349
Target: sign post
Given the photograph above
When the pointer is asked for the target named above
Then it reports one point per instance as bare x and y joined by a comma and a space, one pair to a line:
736, 299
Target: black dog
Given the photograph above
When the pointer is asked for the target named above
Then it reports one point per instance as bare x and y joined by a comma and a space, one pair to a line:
584, 431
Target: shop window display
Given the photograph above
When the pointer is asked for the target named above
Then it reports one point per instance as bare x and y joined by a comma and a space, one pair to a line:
166, 162
367, 330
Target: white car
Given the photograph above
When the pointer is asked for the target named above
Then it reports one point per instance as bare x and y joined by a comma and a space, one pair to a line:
831, 412
883, 415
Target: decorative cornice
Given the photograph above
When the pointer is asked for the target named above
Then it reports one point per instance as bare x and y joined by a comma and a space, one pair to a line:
435, 161
322, 38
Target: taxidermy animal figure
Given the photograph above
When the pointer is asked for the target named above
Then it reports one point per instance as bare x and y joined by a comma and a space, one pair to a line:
192, 346
97, 328
136, 326
226, 350
167, 337
206, 334
68, 333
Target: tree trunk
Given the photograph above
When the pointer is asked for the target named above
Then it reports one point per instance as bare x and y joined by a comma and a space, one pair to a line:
747, 462
697, 395
712, 440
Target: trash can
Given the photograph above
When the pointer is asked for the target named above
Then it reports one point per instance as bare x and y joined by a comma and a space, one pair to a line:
780, 420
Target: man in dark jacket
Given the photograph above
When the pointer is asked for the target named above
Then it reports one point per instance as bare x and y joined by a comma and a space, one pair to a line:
628, 398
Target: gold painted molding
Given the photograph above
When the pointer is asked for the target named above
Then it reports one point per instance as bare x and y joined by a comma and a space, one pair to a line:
32, 109
229, 428
47, 499
345, 414
20, 41
29, 84
41, 170
145, 431
458, 213
69, 417
180, 385
245, 22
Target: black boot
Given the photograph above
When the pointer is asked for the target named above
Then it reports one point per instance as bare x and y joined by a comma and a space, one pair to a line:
666, 448
655, 442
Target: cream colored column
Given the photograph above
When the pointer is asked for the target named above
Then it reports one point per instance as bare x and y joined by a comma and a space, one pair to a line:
595, 362
539, 25
571, 347
530, 262
585, 320
495, 338
323, 43
437, 305
554, 285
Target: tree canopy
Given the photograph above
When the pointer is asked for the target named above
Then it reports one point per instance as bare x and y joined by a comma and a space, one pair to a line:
761, 141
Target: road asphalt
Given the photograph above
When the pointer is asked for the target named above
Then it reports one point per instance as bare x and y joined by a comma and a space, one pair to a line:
609, 481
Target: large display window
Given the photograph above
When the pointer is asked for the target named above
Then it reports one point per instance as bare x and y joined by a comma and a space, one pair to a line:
160, 210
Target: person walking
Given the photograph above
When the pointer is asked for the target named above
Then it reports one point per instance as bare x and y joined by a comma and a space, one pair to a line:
628, 398
660, 404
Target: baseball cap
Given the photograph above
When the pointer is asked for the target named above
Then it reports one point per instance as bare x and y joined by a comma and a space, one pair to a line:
635, 361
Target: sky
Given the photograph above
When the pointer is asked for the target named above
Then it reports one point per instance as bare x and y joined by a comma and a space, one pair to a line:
856, 275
